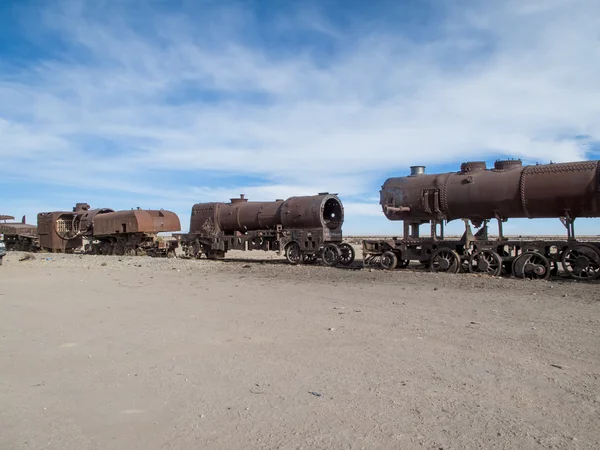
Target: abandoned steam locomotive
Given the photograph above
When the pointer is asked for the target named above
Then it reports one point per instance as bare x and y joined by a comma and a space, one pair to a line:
103, 231
96, 231
18, 235
478, 195
306, 229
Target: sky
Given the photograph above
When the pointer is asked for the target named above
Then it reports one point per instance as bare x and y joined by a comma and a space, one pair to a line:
165, 103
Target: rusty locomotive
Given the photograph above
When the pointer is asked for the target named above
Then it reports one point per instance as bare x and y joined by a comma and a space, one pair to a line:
477, 195
104, 231
18, 235
306, 229
96, 231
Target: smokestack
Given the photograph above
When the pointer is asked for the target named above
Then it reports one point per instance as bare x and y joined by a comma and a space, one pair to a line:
417, 170
23, 220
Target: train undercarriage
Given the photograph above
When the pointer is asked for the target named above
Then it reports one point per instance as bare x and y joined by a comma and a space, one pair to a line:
133, 244
480, 254
298, 246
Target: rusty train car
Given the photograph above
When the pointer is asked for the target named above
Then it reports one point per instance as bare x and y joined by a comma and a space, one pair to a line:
104, 231
95, 231
18, 235
306, 229
477, 195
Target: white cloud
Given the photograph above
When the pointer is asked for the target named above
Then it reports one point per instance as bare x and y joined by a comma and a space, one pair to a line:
510, 77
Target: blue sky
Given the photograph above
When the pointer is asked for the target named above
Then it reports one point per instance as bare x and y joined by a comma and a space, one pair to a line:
164, 103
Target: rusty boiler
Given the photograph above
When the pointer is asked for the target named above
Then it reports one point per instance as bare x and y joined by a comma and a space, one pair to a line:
323, 211
507, 190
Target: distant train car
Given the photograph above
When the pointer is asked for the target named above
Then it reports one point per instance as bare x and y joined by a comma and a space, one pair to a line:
19, 235
476, 194
306, 229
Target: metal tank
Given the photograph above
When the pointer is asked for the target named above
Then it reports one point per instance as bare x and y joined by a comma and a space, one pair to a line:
507, 190
316, 211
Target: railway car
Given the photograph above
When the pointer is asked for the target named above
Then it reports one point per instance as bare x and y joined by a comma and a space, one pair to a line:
478, 195
306, 229
19, 235
108, 232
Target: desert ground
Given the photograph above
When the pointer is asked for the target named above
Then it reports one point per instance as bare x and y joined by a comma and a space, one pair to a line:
252, 353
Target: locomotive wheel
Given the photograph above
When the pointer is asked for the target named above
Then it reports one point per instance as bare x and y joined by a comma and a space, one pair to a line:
389, 260
581, 262
532, 265
348, 254
293, 253
331, 255
485, 261
445, 260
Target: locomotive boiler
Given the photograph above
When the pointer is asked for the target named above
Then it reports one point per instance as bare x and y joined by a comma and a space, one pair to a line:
305, 228
477, 194
108, 232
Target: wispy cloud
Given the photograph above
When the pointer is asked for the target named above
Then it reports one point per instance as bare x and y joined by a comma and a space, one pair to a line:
177, 105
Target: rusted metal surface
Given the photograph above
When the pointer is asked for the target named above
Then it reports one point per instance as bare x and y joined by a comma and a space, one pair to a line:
105, 231
477, 194
306, 228
135, 221
508, 190
51, 227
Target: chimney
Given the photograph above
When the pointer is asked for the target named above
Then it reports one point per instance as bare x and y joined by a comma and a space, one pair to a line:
417, 170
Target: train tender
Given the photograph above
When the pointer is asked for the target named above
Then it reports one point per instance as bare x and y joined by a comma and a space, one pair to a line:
306, 229
18, 235
478, 195
107, 232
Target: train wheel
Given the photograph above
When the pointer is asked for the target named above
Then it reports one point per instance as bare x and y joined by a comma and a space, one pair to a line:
485, 261
331, 255
532, 265
445, 260
581, 262
293, 253
389, 260
348, 254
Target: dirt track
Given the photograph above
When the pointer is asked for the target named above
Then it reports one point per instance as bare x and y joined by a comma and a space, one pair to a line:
139, 353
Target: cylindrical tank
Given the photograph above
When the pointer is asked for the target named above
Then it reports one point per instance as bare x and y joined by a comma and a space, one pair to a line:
135, 221
240, 215
509, 190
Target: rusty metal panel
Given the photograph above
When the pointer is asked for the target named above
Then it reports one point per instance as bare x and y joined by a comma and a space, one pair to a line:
48, 225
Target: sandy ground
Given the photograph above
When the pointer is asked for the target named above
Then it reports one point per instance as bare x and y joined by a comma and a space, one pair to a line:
141, 353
